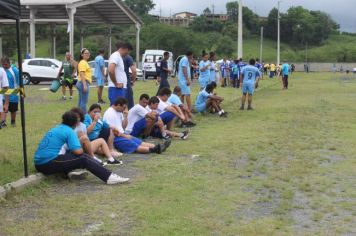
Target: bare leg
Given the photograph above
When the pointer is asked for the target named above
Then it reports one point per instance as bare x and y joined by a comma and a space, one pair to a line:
249, 100
100, 146
100, 93
149, 145
143, 149
63, 90
243, 100
111, 141
71, 91
189, 102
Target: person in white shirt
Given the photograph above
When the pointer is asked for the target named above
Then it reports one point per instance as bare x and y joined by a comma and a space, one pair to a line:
117, 79
167, 110
4, 85
140, 119
116, 116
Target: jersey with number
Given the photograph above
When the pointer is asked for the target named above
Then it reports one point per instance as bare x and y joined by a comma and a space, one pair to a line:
250, 73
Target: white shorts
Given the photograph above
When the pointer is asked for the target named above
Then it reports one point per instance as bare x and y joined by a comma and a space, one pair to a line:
1, 103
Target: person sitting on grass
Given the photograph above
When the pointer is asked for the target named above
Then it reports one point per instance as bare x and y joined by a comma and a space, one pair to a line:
97, 128
207, 100
96, 146
250, 76
174, 99
168, 112
140, 121
116, 116
60, 152
151, 124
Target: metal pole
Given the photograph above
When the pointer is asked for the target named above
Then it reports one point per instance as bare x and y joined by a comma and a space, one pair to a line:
261, 47
32, 33
81, 38
71, 28
0, 43
239, 41
278, 37
22, 102
138, 28
54, 42
110, 40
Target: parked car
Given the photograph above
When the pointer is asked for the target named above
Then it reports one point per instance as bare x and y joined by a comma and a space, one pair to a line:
92, 65
37, 70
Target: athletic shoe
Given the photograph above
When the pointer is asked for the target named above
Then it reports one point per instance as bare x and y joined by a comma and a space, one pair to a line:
250, 109
185, 134
190, 124
166, 137
223, 114
63, 98
77, 174
101, 102
70, 98
166, 144
242, 108
158, 149
115, 154
114, 162
3, 124
115, 179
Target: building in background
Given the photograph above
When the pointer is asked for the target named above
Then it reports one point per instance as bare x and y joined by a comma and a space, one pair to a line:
182, 19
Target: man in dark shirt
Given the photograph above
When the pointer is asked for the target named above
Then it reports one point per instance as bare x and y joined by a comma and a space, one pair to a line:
128, 62
164, 71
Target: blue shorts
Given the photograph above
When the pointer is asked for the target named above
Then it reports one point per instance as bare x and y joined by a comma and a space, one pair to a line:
138, 128
156, 132
167, 117
125, 145
100, 81
184, 87
201, 107
234, 76
114, 93
248, 88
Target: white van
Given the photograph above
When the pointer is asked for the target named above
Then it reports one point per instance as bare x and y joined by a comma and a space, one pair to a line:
149, 59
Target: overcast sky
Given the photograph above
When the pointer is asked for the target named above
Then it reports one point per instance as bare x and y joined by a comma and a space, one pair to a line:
342, 11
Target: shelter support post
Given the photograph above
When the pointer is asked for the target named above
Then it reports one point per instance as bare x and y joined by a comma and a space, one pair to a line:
54, 36
138, 29
0, 43
110, 40
71, 12
81, 38
32, 33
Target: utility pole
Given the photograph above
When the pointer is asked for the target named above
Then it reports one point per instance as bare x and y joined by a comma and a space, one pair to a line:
261, 47
279, 36
239, 40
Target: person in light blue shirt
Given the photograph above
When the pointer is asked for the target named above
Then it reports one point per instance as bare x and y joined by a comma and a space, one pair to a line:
204, 70
184, 78
206, 100
250, 76
99, 74
174, 99
285, 74
60, 152
13, 78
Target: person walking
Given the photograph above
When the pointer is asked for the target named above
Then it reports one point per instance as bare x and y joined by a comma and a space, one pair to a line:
85, 79
69, 67
100, 74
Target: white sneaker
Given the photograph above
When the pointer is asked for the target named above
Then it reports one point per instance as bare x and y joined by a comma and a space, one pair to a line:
77, 174
115, 179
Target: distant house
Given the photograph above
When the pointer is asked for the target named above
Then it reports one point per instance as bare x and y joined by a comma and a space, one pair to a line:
184, 15
216, 17
182, 19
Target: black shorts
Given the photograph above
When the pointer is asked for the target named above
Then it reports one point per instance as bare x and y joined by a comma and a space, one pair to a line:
105, 134
68, 83
13, 106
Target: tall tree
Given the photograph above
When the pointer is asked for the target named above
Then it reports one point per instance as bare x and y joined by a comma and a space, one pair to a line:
207, 11
232, 9
140, 7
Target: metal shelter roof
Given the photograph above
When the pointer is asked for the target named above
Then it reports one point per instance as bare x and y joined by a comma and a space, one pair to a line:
111, 12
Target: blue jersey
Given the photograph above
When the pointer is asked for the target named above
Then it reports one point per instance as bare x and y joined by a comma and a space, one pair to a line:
241, 65
52, 143
250, 73
184, 62
99, 65
234, 69
202, 98
14, 82
174, 99
94, 134
285, 69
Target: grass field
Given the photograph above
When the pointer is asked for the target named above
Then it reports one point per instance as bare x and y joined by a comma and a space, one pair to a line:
287, 168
